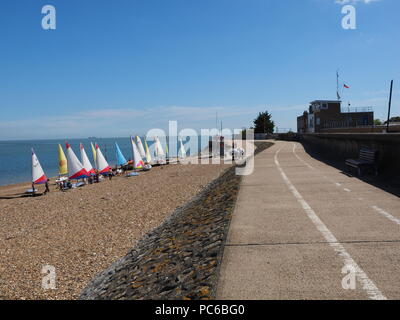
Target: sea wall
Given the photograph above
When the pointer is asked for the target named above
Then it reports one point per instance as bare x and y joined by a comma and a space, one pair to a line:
347, 145
180, 259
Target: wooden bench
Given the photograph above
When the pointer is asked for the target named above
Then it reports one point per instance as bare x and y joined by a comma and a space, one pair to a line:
367, 159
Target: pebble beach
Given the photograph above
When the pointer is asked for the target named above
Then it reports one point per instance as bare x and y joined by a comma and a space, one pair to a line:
82, 231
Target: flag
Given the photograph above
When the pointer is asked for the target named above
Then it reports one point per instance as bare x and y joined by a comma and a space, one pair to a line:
346, 86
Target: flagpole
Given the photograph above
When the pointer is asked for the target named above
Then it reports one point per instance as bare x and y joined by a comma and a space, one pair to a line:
390, 105
337, 84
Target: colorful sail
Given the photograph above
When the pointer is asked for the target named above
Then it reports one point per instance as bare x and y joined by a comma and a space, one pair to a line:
182, 150
38, 176
85, 161
94, 153
101, 162
140, 147
166, 148
137, 159
121, 160
62, 161
76, 170
148, 155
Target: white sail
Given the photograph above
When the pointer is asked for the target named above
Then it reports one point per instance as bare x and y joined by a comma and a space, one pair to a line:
159, 149
76, 169
38, 175
148, 155
137, 159
85, 161
101, 162
182, 150
140, 147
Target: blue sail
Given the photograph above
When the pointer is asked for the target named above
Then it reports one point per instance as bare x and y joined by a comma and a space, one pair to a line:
120, 157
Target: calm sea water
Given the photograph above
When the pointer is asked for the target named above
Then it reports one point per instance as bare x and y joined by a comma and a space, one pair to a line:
16, 161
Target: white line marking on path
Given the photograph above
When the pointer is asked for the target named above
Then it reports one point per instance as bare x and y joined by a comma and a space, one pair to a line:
308, 165
301, 160
367, 284
386, 214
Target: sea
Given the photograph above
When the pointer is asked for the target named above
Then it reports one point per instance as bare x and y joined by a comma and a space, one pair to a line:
16, 156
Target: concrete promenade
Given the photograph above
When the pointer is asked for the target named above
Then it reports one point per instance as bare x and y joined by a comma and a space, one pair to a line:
300, 226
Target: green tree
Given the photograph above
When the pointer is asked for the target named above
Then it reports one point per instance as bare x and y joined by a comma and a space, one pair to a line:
377, 122
393, 119
263, 123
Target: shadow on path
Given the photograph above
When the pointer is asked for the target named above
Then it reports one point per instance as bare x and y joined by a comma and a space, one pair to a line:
385, 181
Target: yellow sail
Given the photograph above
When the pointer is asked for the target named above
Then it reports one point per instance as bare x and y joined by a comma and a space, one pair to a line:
94, 153
148, 156
62, 162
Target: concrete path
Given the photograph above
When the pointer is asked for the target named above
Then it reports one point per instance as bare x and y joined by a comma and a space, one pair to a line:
300, 227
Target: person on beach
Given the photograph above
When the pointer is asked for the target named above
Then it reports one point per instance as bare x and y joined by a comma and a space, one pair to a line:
33, 189
69, 184
47, 187
110, 174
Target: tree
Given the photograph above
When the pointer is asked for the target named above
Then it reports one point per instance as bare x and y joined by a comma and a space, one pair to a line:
377, 122
263, 123
393, 119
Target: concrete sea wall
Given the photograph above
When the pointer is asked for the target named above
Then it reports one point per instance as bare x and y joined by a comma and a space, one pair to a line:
347, 145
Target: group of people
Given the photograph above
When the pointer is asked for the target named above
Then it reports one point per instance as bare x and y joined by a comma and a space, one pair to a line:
64, 183
46, 186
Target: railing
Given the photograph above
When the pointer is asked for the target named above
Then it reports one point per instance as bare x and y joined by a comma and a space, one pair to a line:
283, 130
356, 110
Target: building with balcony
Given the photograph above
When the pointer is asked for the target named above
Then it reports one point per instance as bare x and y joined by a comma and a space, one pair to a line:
328, 115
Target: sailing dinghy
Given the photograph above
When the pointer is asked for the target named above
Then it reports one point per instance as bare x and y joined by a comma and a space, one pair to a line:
102, 165
148, 155
38, 176
94, 153
121, 160
137, 159
140, 147
76, 170
85, 161
62, 162
159, 152
182, 151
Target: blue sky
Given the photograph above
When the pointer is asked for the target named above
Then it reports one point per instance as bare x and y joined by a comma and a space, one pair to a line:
116, 68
